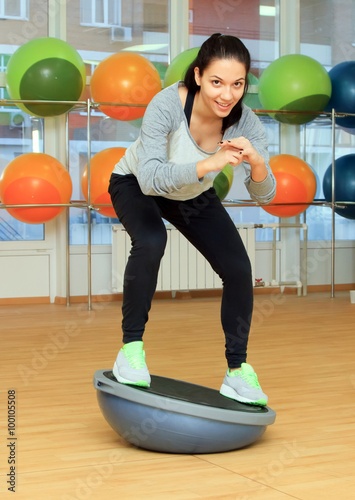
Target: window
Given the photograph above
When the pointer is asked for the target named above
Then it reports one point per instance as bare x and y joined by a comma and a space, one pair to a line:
3, 93
20, 133
144, 30
14, 9
100, 13
260, 35
20, 21
327, 35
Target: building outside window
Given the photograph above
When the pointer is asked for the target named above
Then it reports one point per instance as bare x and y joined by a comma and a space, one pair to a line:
92, 28
102, 13
14, 9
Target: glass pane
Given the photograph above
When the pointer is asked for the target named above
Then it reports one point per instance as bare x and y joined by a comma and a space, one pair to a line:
317, 137
114, 13
14, 230
328, 30
100, 11
255, 23
105, 133
327, 35
246, 20
12, 8
86, 14
19, 133
144, 31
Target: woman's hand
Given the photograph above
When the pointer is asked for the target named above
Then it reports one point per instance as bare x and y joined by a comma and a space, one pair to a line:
216, 162
248, 153
234, 152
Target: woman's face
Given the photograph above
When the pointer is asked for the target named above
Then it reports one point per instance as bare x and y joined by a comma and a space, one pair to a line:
221, 85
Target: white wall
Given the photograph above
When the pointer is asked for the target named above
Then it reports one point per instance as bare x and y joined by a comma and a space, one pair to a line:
40, 271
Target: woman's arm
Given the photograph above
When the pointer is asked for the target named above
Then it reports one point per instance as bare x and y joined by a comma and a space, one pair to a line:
156, 175
260, 181
219, 160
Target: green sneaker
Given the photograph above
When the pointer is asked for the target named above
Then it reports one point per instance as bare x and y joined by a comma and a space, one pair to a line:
243, 386
130, 366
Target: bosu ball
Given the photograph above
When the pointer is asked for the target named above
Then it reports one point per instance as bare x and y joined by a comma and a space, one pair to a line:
179, 417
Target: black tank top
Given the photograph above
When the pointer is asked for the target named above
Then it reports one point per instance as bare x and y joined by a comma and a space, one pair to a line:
188, 106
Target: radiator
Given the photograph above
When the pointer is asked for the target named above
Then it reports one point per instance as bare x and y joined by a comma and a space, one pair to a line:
182, 266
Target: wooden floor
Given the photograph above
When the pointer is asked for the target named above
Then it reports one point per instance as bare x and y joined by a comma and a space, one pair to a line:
303, 349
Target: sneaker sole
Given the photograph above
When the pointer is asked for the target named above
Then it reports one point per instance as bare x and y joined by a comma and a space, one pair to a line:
230, 393
121, 380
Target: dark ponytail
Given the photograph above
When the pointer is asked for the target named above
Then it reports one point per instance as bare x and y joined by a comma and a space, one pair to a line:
220, 47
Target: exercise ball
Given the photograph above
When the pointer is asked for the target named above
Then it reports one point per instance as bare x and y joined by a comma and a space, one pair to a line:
125, 78
161, 68
35, 178
252, 99
45, 69
178, 66
223, 181
174, 416
344, 184
295, 183
342, 99
294, 83
101, 167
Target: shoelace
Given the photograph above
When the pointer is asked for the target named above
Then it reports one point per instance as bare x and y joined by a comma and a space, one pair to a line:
251, 379
136, 359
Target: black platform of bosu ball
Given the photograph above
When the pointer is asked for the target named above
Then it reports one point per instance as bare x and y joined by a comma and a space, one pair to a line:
178, 417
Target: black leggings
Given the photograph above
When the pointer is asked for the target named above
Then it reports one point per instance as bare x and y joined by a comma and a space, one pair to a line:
206, 224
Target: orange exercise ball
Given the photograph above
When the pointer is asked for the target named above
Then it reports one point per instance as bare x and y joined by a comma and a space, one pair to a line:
101, 167
125, 78
295, 183
31, 179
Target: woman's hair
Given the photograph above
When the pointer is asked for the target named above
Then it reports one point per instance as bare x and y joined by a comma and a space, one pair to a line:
220, 47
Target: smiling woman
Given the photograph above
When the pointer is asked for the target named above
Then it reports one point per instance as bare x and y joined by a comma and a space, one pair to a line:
221, 86
191, 131
217, 82
231, 54
224, 83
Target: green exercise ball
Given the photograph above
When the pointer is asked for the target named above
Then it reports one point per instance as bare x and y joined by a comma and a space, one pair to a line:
223, 181
45, 69
161, 68
178, 66
252, 99
294, 83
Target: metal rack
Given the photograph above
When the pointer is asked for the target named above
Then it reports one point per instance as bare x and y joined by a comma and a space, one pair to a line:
88, 106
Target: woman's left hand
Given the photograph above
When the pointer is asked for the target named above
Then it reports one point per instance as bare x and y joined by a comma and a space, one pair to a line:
247, 152
250, 155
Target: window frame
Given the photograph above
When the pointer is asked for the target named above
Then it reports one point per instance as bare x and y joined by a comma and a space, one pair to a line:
23, 14
91, 5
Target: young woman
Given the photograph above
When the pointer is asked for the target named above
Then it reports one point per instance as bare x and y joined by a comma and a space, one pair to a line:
190, 131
